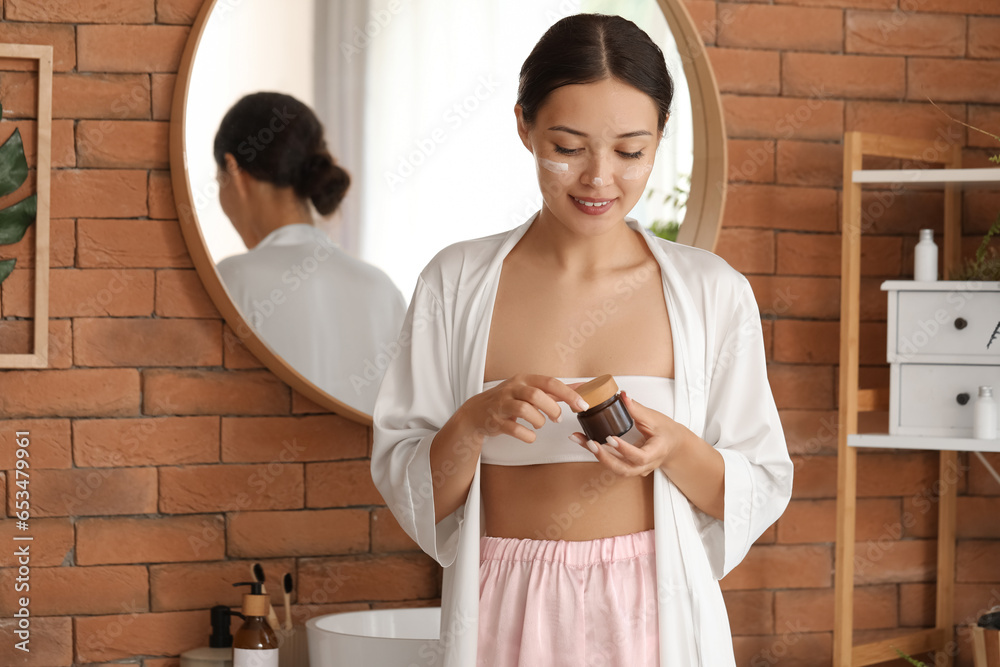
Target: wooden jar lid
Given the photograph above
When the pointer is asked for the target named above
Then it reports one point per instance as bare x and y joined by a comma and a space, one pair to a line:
598, 390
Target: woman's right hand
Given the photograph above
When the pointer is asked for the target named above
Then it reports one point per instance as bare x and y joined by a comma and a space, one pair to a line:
523, 396
456, 447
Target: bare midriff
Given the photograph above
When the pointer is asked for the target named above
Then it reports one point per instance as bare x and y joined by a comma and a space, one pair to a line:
564, 501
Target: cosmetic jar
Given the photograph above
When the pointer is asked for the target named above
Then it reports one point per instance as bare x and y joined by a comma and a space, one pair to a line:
607, 415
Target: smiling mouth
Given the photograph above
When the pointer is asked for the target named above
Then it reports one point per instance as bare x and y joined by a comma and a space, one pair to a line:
593, 204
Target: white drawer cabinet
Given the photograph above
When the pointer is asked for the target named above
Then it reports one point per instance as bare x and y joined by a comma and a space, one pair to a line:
943, 343
937, 399
949, 323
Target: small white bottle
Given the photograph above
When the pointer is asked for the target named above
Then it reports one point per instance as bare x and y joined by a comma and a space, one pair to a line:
984, 425
925, 257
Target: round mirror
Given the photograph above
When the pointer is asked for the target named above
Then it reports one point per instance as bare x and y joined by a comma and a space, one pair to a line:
417, 102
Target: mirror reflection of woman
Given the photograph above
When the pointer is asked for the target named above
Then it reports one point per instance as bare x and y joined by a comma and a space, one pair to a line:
559, 550
331, 316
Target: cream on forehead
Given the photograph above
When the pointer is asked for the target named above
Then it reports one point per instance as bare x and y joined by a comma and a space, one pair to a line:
553, 166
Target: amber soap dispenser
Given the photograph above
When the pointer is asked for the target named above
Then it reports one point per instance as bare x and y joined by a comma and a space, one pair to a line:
255, 644
608, 415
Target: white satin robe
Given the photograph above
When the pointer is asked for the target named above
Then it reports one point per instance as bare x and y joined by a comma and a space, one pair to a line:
331, 316
721, 394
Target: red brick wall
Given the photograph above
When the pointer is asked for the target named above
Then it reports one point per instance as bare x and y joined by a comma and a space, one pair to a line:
795, 75
165, 460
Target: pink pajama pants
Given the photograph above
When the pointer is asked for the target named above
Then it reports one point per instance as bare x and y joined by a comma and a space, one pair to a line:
545, 603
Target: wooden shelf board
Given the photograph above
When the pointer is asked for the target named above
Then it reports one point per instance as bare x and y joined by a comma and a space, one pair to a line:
912, 642
942, 176
886, 441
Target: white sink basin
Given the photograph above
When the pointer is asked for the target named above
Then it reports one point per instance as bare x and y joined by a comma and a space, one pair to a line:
381, 637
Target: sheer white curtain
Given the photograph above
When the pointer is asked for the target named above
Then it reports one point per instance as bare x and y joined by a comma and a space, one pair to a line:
245, 49
342, 32
443, 161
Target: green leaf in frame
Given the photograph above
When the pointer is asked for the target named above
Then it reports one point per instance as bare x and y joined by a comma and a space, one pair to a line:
6, 266
14, 220
13, 165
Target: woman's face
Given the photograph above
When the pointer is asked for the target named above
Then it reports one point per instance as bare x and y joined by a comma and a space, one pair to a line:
594, 146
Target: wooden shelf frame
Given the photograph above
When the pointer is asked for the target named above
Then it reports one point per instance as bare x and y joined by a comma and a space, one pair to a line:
845, 652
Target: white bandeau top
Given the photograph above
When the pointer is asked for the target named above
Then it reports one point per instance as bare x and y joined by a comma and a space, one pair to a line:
552, 443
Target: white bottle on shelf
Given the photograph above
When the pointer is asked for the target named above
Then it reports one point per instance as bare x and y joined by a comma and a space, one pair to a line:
925, 257
984, 425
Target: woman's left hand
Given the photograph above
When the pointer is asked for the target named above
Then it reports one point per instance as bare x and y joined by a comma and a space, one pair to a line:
661, 437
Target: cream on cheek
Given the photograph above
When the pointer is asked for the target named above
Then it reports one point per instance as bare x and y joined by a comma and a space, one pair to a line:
553, 166
637, 171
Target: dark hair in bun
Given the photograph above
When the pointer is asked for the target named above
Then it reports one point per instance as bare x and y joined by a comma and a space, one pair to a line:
585, 48
278, 139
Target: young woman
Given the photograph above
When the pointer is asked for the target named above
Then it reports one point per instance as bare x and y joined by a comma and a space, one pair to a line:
558, 550
329, 315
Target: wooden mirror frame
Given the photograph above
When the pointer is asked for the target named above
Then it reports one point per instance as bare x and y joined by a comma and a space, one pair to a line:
702, 220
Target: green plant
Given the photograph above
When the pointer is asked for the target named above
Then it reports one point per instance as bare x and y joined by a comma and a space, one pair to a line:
912, 661
16, 218
675, 203
665, 230
985, 265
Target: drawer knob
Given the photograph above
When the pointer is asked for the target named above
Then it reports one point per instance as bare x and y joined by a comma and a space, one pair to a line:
960, 323
962, 398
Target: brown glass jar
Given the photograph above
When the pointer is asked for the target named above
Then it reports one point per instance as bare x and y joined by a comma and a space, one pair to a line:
607, 415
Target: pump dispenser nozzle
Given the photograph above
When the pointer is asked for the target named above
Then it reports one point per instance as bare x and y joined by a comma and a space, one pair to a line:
220, 637
255, 586
255, 603
219, 652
